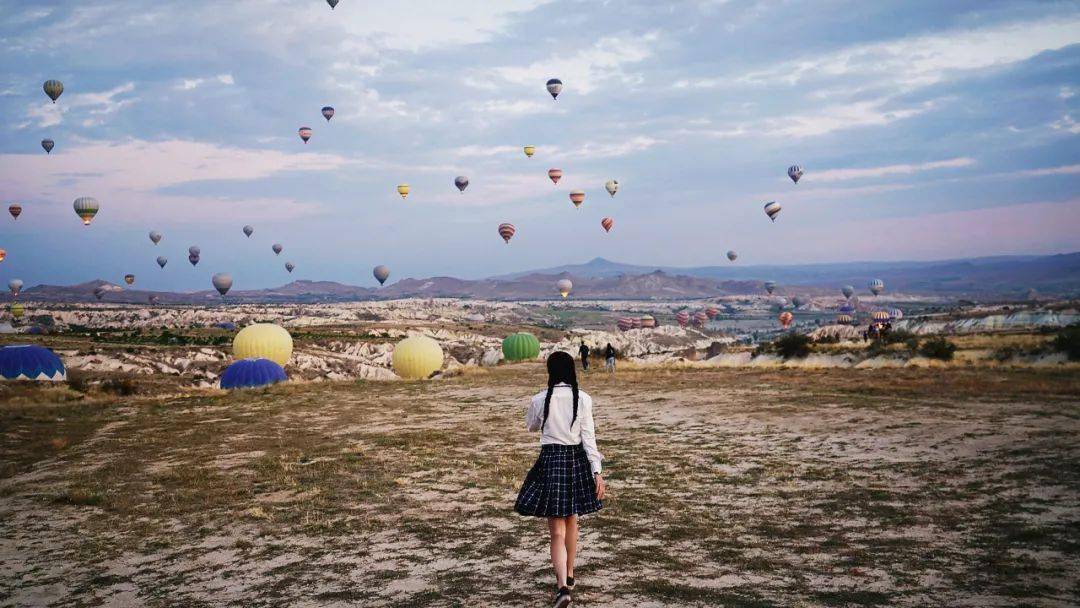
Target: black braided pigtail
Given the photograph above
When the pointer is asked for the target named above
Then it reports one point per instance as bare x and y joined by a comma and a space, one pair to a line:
547, 402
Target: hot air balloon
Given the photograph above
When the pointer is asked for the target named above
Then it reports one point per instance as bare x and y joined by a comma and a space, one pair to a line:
848, 291
417, 357
844, 319
15, 209
682, 318
461, 182
554, 175
770, 287
305, 133
530, 150
877, 286
895, 314
612, 186
252, 373
794, 172
289, 266
880, 316
155, 237
554, 87
381, 274
277, 248
327, 113
521, 346
222, 283
248, 231
162, 260
732, 255
625, 323
30, 362
53, 88
403, 190
577, 197
564, 286
194, 250
506, 231
99, 292
798, 301
86, 207
129, 278
647, 321
263, 341
17, 310
785, 319
846, 309
711, 312
153, 299
194, 259
772, 209
48, 145
700, 318
607, 223
636, 322
15, 286
332, 3
3, 254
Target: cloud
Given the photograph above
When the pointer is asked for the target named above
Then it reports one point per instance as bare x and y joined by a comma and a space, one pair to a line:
1064, 170
586, 70
923, 60
832, 175
94, 106
188, 84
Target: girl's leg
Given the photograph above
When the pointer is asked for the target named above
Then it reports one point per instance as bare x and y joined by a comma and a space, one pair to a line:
557, 528
571, 543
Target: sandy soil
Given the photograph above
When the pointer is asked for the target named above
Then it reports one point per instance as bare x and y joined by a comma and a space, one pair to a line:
728, 487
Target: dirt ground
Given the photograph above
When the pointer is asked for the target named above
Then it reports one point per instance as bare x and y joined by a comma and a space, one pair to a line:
957, 487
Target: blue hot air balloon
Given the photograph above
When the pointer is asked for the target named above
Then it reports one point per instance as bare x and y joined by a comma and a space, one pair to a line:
252, 373
30, 362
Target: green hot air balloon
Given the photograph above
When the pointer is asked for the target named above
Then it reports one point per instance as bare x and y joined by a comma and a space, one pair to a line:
521, 347
53, 88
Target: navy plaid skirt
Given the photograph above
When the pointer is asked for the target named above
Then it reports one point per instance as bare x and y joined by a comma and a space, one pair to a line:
560, 484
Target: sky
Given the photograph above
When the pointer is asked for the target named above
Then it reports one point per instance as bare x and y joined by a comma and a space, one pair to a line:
926, 130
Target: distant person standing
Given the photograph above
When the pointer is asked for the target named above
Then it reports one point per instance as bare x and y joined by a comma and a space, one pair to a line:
584, 352
609, 358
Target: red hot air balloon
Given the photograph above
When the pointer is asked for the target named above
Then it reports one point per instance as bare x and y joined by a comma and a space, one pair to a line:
626, 324
555, 175
700, 318
711, 312
506, 231
607, 223
577, 197
785, 319
682, 318
305, 133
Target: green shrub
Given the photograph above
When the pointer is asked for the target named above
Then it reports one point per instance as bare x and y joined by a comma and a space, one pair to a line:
792, 346
1068, 342
937, 348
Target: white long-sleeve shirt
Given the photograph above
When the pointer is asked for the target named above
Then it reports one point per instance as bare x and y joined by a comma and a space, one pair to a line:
558, 429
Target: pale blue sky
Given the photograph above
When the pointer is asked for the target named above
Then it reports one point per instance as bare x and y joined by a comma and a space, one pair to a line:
927, 130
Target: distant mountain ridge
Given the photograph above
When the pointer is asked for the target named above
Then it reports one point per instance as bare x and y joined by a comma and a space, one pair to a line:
1009, 277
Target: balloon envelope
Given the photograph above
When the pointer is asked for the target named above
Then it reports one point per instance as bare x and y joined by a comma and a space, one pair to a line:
521, 346
770, 286
15, 286
162, 260
795, 172
289, 266
607, 223
194, 250
155, 237
847, 290
305, 133
565, 287
48, 145
506, 231
461, 182
732, 255
772, 209
577, 197
129, 278
555, 175
252, 373
554, 87
530, 150
328, 113
248, 231
222, 282
30, 362
417, 357
403, 190
53, 88
15, 209
612, 186
277, 248
265, 341
381, 274
86, 207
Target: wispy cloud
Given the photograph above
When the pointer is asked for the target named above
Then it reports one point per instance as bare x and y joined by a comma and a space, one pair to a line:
188, 84
587, 69
832, 175
94, 107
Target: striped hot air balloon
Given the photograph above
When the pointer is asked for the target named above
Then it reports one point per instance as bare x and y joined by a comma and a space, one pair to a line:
785, 319
327, 113
461, 182
555, 175
506, 231
895, 314
53, 88
844, 319
700, 318
877, 286
772, 209
636, 322
48, 145
625, 323
607, 223
880, 316
554, 87
847, 291
577, 197
682, 318
86, 207
711, 312
15, 209
305, 133
795, 172
648, 322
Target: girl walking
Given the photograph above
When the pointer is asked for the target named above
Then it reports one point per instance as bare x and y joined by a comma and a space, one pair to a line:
566, 480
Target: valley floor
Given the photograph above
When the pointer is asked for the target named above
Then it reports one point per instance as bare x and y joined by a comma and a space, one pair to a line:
728, 487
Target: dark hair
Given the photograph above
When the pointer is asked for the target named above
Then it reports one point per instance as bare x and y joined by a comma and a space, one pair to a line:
560, 366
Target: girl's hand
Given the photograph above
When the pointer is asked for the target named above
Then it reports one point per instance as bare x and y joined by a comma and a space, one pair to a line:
600, 487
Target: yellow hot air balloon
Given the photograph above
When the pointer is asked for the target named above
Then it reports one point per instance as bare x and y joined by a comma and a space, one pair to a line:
403, 190
17, 310
530, 150
263, 341
417, 357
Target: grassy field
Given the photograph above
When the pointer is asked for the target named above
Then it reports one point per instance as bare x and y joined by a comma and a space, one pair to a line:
906, 487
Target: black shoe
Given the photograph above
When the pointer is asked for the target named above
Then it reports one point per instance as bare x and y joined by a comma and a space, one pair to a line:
562, 598
570, 583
